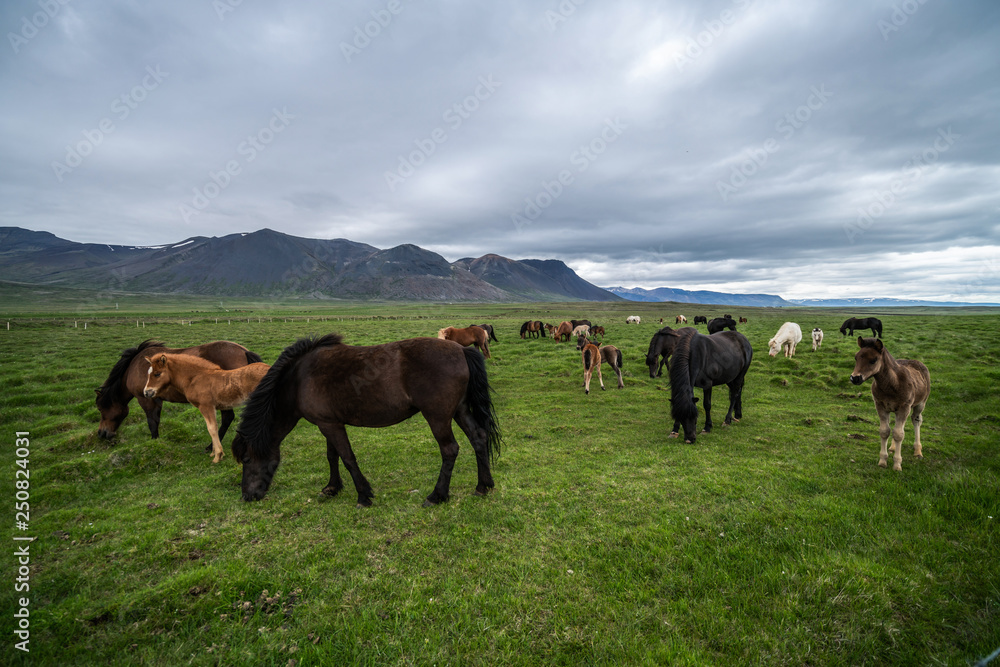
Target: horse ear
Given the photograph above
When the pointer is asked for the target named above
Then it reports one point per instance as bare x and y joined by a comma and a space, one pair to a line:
878, 344
861, 341
98, 391
695, 399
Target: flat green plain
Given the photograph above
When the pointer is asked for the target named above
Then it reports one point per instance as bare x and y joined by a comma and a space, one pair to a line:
774, 541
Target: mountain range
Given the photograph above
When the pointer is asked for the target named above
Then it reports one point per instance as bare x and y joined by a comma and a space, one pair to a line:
270, 263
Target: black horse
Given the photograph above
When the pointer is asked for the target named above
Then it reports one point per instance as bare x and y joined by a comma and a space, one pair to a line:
661, 346
488, 328
705, 361
700, 319
334, 385
720, 323
852, 323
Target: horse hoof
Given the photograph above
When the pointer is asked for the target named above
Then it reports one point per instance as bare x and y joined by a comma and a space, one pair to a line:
689, 442
883, 464
673, 435
428, 503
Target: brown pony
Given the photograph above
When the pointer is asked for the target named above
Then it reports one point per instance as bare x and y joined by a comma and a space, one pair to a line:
597, 329
591, 361
532, 327
205, 385
612, 356
564, 329
468, 336
901, 386
128, 379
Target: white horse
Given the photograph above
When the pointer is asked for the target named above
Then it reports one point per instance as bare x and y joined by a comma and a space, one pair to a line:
632, 319
582, 330
788, 336
817, 338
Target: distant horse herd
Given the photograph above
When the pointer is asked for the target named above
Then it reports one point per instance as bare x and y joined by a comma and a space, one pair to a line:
333, 385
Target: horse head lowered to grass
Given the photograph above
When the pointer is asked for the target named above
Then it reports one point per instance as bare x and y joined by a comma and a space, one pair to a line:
334, 385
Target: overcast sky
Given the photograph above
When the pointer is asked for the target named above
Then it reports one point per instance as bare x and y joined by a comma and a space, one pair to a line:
800, 148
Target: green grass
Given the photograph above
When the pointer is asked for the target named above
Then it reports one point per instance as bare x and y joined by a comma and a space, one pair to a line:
777, 540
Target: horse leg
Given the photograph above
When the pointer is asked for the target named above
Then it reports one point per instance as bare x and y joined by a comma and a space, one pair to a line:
883, 433
707, 393
618, 372
599, 378
227, 418
479, 440
334, 486
897, 436
486, 348
917, 418
152, 407
208, 412
441, 428
336, 435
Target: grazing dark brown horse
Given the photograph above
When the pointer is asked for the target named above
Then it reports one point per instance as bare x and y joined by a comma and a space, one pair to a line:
204, 385
334, 385
720, 323
468, 336
612, 356
532, 327
900, 386
852, 323
128, 379
596, 330
661, 346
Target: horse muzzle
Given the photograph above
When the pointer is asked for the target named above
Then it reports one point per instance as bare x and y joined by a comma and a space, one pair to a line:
857, 379
149, 393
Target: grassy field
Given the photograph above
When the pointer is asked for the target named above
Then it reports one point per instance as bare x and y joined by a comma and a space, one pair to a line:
777, 540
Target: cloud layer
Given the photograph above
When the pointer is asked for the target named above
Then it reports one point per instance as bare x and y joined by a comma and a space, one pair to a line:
797, 148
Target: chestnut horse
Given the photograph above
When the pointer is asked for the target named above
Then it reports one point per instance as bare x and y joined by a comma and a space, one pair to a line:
901, 386
128, 379
205, 385
468, 336
591, 356
564, 329
332, 385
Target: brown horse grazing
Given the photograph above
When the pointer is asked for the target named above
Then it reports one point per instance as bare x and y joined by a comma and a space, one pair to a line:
596, 330
468, 336
128, 379
591, 361
333, 385
564, 329
205, 385
901, 386
532, 327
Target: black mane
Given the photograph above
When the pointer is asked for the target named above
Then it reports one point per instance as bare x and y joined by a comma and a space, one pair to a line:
107, 391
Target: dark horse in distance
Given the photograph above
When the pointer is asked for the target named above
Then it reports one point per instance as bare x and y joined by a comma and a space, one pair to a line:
661, 346
705, 361
127, 380
334, 385
852, 323
720, 323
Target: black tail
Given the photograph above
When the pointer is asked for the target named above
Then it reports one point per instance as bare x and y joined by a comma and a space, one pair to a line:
262, 405
588, 361
682, 405
619, 358
480, 402
254, 358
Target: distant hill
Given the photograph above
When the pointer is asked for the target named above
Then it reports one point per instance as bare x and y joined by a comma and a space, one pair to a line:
700, 296
270, 263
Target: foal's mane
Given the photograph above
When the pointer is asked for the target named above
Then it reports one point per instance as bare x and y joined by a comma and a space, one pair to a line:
107, 391
259, 413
